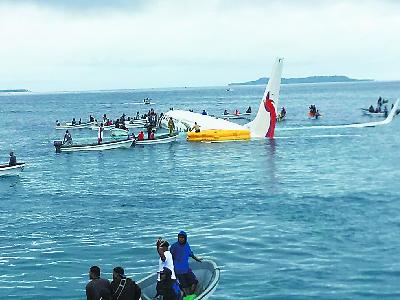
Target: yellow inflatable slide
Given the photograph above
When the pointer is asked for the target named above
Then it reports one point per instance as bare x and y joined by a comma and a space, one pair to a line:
218, 135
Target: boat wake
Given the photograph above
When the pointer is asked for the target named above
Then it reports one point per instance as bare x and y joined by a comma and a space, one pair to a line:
356, 125
319, 136
138, 103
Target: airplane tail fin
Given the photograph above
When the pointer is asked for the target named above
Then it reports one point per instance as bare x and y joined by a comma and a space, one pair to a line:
263, 124
392, 112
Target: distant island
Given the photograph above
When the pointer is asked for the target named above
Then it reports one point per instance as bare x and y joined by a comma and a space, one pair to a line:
15, 91
311, 79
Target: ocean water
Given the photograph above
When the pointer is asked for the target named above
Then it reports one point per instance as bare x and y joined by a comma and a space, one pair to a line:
312, 214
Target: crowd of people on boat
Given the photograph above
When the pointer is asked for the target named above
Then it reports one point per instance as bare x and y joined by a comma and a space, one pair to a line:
378, 108
313, 112
236, 112
151, 119
175, 279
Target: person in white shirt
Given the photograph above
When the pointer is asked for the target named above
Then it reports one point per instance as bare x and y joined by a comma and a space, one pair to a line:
165, 258
167, 285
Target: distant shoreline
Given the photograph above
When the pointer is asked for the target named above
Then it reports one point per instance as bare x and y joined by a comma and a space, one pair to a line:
15, 91
310, 79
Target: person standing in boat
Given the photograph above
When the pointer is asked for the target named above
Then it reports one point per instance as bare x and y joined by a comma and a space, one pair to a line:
165, 261
97, 288
283, 112
67, 138
149, 130
181, 252
171, 126
13, 159
379, 103
100, 134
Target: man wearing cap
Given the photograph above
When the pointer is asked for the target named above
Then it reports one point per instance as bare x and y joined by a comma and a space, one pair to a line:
98, 288
124, 288
168, 288
181, 252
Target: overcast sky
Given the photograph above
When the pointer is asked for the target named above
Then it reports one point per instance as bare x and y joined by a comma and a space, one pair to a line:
51, 45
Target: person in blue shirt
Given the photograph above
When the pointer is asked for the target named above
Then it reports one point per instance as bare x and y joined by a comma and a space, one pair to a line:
181, 252
204, 113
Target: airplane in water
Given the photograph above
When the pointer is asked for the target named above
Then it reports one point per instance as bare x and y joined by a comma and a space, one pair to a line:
214, 129
218, 129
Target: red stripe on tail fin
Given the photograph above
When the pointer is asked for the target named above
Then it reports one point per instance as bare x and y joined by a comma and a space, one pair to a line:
270, 107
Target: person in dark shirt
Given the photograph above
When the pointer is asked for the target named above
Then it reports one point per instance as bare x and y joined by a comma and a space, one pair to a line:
13, 159
124, 288
181, 252
371, 109
97, 288
168, 288
67, 138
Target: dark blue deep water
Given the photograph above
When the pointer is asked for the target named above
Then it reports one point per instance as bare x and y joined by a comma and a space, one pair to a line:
312, 214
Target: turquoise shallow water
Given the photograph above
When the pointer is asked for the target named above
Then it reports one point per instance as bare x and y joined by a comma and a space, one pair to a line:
313, 214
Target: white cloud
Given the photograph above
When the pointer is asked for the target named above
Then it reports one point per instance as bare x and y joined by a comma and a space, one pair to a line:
183, 43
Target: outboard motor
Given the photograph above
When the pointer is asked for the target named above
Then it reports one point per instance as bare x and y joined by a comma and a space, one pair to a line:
58, 145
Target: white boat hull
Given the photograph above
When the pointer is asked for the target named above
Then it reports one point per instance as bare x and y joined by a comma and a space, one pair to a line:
158, 140
81, 126
374, 114
98, 147
135, 125
119, 132
236, 117
6, 170
94, 127
207, 274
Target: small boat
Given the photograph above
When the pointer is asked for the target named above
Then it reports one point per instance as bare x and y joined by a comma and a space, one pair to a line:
161, 139
315, 116
136, 121
147, 101
7, 170
119, 132
93, 147
236, 116
96, 127
76, 126
140, 123
366, 112
207, 274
